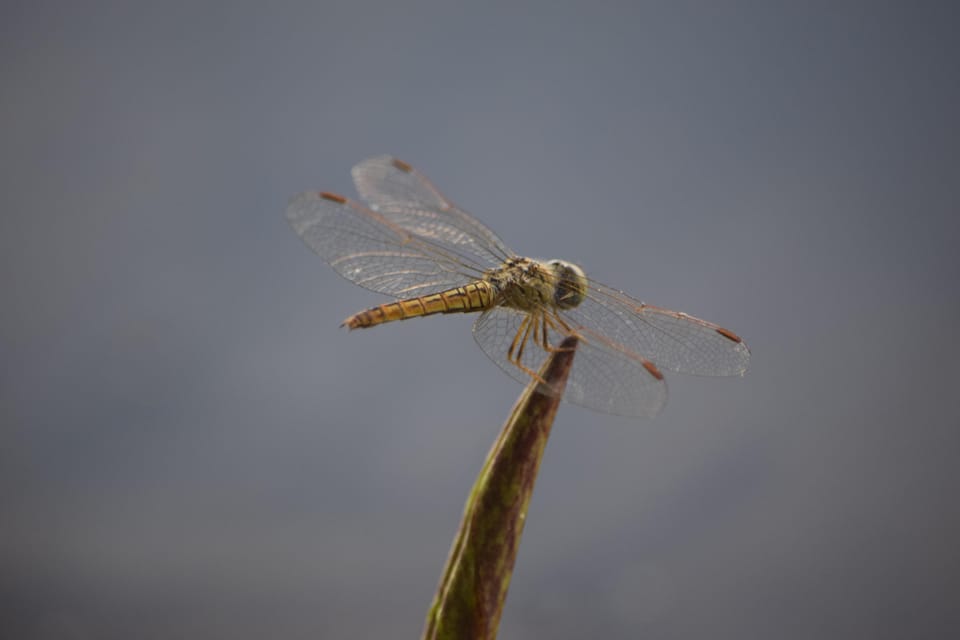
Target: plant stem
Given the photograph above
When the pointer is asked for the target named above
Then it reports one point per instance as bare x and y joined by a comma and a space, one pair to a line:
472, 591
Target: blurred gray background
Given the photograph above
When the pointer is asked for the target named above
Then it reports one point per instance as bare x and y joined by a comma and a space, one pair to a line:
191, 448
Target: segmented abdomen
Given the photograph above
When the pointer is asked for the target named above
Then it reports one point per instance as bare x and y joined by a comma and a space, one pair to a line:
475, 296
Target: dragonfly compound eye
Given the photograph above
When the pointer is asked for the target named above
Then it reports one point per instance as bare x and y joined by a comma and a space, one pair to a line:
571, 286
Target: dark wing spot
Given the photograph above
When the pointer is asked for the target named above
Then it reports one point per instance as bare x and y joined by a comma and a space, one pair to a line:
729, 335
326, 195
652, 369
403, 166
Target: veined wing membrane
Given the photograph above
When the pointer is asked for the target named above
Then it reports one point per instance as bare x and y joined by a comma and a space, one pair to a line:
370, 250
604, 377
672, 340
407, 198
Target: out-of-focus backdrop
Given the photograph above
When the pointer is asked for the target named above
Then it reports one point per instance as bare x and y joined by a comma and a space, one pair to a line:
191, 448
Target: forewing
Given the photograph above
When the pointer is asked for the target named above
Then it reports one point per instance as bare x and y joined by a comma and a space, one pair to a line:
369, 249
604, 378
672, 340
407, 198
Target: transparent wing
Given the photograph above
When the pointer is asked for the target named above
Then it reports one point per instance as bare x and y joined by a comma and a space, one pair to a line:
604, 377
405, 197
375, 252
672, 340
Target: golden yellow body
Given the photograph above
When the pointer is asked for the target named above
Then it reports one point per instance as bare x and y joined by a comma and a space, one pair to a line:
476, 296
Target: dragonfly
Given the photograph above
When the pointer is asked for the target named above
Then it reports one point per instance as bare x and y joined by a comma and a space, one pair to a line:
410, 242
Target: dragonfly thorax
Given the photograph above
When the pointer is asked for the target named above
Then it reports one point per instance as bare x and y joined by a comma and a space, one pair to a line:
528, 285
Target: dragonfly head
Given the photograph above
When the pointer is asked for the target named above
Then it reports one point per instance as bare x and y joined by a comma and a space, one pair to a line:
571, 287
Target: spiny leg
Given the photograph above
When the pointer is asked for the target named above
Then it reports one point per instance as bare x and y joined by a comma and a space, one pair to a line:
516, 338
526, 326
531, 324
556, 323
546, 323
543, 333
537, 327
563, 323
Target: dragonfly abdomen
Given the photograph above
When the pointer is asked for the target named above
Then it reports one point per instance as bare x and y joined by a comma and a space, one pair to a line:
475, 296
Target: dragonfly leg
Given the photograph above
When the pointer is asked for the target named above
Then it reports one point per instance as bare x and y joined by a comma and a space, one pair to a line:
553, 324
516, 339
530, 323
544, 340
563, 323
533, 374
535, 336
521, 338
